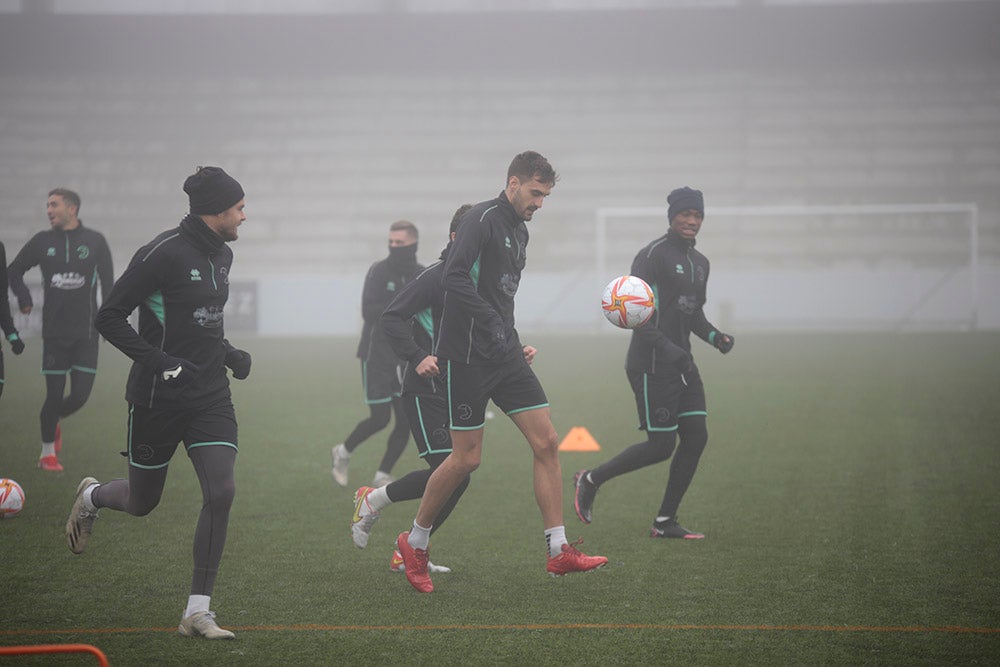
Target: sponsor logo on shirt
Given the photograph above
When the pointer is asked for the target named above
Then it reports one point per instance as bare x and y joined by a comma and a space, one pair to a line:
679, 270
195, 275
68, 281
209, 317
390, 286
51, 252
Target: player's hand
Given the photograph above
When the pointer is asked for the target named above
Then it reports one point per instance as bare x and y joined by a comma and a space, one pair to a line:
724, 342
175, 371
16, 344
238, 362
529, 353
428, 367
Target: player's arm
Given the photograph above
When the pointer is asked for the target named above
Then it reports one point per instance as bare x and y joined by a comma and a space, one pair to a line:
373, 295
397, 319
105, 269
649, 333
6, 321
24, 260
702, 328
457, 281
136, 287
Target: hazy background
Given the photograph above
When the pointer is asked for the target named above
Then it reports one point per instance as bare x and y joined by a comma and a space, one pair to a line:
340, 117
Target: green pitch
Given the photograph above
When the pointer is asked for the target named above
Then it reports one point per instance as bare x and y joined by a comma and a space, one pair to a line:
849, 495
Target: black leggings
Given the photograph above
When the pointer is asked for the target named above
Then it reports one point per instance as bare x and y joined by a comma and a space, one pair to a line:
659, 447
56, 407
411, 487
215, 466
378, 420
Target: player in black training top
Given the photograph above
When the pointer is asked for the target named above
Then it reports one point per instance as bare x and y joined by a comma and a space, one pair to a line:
380, 367
178, 389
669, 394
6, 321
411, 323
74, 261
483, 359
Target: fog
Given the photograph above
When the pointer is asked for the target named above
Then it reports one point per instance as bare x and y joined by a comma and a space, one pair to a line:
849, 152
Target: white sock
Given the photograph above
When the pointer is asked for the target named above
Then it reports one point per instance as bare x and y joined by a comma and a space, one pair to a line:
379, 499
419, 536
555, 538
88, 498
48, 449
197, 603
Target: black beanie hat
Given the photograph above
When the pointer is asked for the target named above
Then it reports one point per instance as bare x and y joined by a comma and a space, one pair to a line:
684, 198
211, 190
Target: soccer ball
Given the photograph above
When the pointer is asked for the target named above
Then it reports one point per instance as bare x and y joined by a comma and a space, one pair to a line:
11, 498
628, 302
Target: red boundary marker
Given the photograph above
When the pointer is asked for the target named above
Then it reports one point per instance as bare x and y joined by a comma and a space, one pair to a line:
38, 649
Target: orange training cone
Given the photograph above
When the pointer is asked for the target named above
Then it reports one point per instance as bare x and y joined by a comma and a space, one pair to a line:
579, 440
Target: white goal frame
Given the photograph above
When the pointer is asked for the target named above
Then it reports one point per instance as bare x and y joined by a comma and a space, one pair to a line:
968, 209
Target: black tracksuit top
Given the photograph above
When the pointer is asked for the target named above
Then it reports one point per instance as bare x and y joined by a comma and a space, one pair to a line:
384, 280
6, 321
678, 275
411, 322
180, 283
72, 262
481, 276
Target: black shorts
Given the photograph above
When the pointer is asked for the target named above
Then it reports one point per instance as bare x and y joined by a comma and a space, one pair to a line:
153, 434
59, 357
382, 382
428, 415
513, 387
661, 399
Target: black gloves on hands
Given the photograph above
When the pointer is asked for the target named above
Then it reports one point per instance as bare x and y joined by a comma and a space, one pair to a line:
176, 372
16, 344
724, 342
238, 361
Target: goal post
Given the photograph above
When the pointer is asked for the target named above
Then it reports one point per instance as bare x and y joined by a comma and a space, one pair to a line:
920, 262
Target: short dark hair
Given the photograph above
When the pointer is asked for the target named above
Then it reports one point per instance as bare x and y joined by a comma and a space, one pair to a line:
68, 196
455, 219
405, 226
529, 165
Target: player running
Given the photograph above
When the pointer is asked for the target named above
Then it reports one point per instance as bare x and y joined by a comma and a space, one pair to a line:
481, 358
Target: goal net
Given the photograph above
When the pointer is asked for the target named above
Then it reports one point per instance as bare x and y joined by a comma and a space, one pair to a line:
886, 267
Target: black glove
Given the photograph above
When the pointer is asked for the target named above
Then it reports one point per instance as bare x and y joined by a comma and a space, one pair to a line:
16, 344
239, 362
723, 342
176, 372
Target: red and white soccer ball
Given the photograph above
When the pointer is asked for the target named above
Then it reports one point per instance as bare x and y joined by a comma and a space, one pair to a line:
11, 498
628, 302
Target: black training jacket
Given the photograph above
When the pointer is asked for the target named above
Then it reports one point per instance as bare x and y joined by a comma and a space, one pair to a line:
678, 275
179, 281
384, 280
72, 262
410, 324
481, 276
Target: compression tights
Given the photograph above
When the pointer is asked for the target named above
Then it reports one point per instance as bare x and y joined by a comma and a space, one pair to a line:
55, 406
140, 494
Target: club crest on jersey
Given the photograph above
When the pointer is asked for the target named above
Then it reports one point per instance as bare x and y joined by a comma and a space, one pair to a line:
195, 275
224, 271
83, 252
679, 270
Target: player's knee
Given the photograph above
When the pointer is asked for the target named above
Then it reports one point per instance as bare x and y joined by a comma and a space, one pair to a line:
663, 443
221, 494
694, 432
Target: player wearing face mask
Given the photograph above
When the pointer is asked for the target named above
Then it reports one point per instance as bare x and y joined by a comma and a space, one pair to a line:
380, 367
